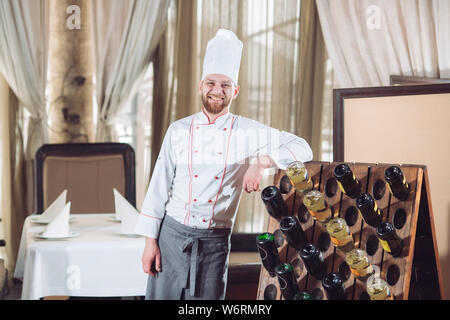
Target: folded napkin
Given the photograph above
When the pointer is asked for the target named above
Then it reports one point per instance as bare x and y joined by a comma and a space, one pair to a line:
126, 213
59, 226
117, 196
55, 207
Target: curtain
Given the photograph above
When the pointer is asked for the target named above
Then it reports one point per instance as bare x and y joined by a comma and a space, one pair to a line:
311, 103
23, 64
441, 14
176, 72
23, 61
369, 40
125, 35
282, 73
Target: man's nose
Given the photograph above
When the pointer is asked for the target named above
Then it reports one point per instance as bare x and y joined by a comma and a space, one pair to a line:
217, 88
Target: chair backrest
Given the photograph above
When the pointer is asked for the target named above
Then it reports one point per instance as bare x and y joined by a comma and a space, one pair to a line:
89, 172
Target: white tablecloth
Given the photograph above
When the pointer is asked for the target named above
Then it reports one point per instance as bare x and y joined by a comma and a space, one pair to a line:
99, 262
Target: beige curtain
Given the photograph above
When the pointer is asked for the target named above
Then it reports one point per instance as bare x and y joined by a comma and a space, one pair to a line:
23, 64
311, 101
175, 72
126, 34
281, 77
369, 40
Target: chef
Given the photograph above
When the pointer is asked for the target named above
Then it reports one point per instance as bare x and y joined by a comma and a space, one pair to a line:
205, 162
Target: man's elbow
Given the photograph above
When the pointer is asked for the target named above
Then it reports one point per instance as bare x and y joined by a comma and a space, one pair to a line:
307, 153
310, 154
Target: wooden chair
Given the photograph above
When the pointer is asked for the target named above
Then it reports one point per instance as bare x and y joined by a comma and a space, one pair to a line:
89, 172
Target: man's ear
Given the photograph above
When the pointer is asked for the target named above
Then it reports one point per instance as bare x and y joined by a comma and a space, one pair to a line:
236, 91
200, 86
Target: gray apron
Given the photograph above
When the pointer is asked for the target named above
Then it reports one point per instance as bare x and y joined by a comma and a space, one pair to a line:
194, 263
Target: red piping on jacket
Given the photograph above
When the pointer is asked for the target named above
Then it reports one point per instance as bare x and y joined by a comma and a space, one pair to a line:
209, 122
291, 153
150, 216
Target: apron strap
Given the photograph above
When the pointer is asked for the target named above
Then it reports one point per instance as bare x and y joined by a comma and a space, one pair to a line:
192, 244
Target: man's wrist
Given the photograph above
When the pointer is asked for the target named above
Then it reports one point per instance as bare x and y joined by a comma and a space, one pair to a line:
149, 240
265, 162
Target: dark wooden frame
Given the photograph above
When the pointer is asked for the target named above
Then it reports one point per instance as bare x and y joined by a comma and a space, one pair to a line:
407, 80
339, 95
86, 149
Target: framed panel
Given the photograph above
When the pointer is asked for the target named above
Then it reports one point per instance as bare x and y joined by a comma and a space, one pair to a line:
405, 125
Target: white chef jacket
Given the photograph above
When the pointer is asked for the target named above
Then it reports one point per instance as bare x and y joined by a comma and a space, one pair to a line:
197, 178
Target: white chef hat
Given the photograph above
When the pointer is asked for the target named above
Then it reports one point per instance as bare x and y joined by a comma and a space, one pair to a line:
223, 55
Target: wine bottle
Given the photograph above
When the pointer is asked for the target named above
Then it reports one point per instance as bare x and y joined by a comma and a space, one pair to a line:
359, 264
302, 296
397, 184
286, 278
347, 181
300, 179
369, 210
317, 206
293, 232
389, 239
334, 287
268, 251
274, 202
340, 234
313, 260
378, 289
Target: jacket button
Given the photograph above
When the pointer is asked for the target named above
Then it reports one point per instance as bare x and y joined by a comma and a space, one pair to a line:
195, 200
209, 201
204, 220
196, 176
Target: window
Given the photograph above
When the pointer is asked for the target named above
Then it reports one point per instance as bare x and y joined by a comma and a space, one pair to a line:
134, 128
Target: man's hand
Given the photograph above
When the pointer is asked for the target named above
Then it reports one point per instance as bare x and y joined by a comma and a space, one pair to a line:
252, 177
151, 258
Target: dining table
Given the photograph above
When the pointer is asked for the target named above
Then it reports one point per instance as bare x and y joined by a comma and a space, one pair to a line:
95, 260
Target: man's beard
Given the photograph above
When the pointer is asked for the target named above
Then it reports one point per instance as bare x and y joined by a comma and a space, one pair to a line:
215, 107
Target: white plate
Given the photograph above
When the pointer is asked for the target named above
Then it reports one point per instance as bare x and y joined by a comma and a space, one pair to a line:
114, 218
36, 219
72, 234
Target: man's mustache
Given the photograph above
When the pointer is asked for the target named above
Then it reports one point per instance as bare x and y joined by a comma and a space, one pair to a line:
216, 96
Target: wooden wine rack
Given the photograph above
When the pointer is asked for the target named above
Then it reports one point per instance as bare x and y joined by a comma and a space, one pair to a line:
415, 274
